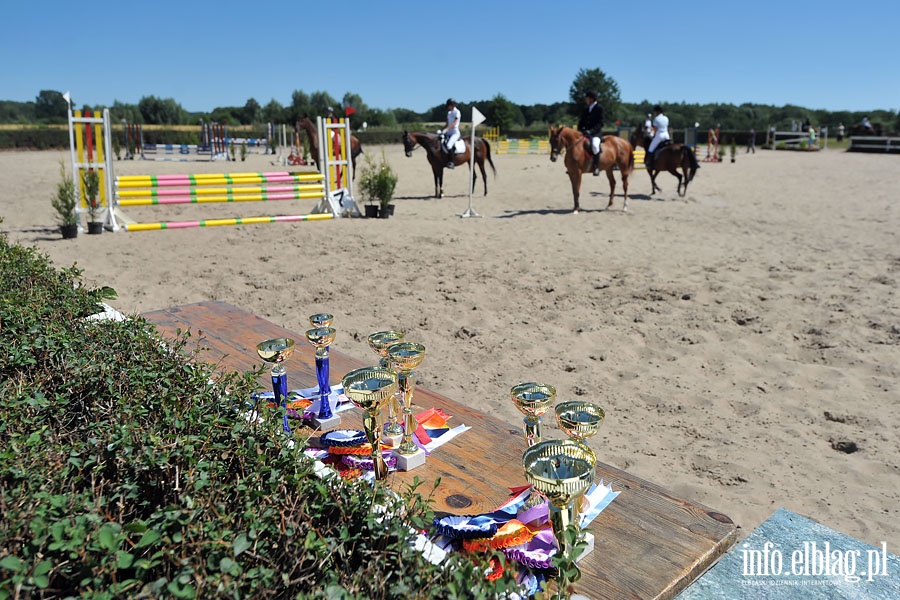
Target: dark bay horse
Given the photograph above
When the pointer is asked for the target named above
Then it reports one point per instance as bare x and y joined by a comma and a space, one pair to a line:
306, 124
670, 158
438, 160
614, 152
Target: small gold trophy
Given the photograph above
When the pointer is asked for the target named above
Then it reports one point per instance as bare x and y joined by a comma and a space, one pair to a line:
403, 358
562, 470
276, 351
321, 320
379, 342
533, 400
580, 420
369, 388
322, 338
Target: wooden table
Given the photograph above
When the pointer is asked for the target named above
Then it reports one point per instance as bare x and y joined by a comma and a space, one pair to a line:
649, 543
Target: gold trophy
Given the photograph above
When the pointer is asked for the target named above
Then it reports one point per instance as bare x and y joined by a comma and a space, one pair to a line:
321, 320
533, 400
321, 338
276, 351
580, 420
379, 342
562, 470
369, 388
403, 358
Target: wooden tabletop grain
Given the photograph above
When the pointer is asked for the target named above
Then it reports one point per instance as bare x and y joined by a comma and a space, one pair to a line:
649, 542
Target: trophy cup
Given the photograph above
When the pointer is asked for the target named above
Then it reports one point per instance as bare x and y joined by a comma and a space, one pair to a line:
562, 470
369, 388
379, 342
580, 420
321, 320
533, 400
276, 351
321, 338
403, 358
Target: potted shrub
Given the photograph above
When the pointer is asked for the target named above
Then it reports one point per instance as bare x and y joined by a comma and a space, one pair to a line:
377, 183
64, 205
91, 180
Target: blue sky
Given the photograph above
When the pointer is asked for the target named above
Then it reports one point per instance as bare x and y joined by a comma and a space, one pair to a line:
819, 55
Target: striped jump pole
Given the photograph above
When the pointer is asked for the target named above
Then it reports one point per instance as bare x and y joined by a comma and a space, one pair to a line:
224, 222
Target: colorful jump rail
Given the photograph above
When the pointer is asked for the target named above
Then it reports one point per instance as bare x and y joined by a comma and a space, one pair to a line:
523, 147
147, 190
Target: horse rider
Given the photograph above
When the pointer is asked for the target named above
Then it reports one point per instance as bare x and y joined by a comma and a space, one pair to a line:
451, 131
660, 135
591, 124
648, 131
866, 124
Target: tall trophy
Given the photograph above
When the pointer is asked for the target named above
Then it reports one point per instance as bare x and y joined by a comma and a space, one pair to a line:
580, 420
403, 358
321, 338
379, 342
276, 351
562, 470
369, 388
533, 400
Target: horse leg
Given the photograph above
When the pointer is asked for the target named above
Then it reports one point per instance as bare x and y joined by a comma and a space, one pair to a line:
575, 177
483, 176
624, 188
612, 187
438, 181
677, 176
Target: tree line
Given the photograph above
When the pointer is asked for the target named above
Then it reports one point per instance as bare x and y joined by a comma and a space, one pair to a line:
50, 107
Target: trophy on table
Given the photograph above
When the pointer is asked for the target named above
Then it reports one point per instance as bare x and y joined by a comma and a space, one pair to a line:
369, 388
562, 470
580, 420
379, 342
276, 351
321, 320
533, 400
321, 338
403, 358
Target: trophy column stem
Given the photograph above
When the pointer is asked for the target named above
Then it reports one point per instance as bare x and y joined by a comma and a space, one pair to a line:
406, 383
373, 427
279, 387
560, 519
532, 430
322, 373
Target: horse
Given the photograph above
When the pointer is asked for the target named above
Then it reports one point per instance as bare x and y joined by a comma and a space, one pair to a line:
614, 152
862, 130
306, 124
669, 158
438, 159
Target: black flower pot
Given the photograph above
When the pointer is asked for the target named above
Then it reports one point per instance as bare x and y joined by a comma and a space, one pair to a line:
69, 231
95, 227
371, 211
386, 211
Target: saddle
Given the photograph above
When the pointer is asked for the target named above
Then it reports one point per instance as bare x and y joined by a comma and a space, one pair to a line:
588, 147
459, 146
662, 145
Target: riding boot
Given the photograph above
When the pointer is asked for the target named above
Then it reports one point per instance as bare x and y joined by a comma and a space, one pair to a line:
452, 155
597, 164
648, 161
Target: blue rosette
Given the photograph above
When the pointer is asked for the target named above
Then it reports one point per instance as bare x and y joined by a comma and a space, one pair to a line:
464, 527
343, 437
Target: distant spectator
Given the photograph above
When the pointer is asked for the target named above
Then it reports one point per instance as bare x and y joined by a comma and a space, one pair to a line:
840, 132
751, 141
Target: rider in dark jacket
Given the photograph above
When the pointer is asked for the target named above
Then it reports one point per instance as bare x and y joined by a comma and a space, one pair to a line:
591, 124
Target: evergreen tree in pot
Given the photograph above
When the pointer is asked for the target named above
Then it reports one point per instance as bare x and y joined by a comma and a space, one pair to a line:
91, 181
64, 205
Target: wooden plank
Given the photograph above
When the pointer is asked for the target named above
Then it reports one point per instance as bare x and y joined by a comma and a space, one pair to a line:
736, 576
649, 543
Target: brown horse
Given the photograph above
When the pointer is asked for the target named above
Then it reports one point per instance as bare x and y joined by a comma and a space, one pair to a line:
438, 159
614, 152
307, 125
669, 158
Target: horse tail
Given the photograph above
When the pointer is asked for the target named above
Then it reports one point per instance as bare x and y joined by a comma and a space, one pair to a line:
487, 155
692, 160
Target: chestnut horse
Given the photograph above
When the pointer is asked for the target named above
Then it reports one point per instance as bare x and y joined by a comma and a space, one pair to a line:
614, 152
438, 159
306, 124
669, 158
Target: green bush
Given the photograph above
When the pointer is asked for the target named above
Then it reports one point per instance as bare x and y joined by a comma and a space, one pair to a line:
378, 181
127, 470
